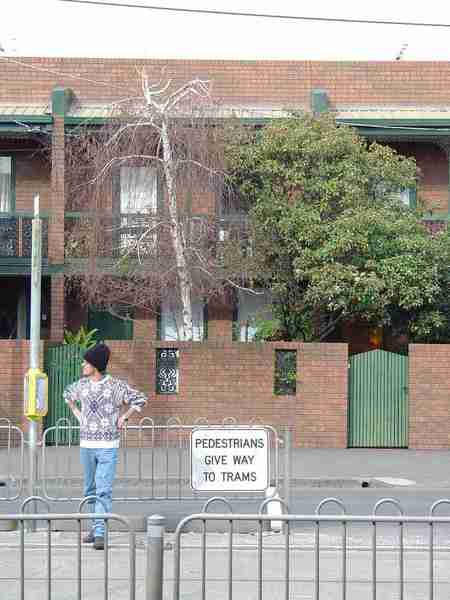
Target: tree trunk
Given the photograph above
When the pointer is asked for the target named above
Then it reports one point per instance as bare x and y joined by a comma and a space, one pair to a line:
177, 236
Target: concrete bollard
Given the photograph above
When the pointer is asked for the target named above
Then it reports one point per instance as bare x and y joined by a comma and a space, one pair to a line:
155, 558
274, 508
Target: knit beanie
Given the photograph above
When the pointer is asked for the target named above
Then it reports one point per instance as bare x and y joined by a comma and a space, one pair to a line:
98, 357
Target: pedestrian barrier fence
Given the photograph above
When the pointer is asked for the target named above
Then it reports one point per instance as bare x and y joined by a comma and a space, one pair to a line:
317, 556
64, 571
154, 461
12, 461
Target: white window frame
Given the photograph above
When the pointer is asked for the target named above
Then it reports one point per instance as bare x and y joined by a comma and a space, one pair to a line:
9, 207
171, 321
143, 202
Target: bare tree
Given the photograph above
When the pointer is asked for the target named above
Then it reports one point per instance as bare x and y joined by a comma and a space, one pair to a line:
143, 182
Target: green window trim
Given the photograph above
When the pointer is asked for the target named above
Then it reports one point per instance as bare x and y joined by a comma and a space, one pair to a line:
12, 208
205, 322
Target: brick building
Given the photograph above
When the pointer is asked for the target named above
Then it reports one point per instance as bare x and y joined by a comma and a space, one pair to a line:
406, 105
403, 104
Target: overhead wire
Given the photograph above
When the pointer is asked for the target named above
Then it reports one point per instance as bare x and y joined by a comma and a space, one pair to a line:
258, 15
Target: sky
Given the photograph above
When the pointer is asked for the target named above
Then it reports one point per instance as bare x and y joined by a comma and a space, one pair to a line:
53, 28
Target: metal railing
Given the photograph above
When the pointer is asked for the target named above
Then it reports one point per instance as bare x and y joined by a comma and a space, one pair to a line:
12, 464
355, 560
57, 571
15, 235
154, 461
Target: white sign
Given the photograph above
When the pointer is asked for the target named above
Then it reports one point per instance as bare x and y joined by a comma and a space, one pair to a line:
230, 459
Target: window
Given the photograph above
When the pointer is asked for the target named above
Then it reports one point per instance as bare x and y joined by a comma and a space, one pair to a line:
406, 196
138, 190
170, 321
232, 221
118, 326
250, 308
138, 200
6, 184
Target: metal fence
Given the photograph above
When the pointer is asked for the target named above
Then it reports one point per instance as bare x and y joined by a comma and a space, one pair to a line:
35, 566
154, 461
319, 556
12, 474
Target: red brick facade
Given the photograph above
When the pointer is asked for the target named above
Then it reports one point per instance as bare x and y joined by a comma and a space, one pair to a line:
429, 396
252, 85
226, 379
14, 363
219, 380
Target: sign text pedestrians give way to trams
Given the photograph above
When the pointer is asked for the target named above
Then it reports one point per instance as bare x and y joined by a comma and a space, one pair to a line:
230, 459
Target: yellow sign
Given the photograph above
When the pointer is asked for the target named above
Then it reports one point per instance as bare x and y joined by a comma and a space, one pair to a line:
36, 394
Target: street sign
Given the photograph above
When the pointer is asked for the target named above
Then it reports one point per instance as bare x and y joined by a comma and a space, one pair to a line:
230, 459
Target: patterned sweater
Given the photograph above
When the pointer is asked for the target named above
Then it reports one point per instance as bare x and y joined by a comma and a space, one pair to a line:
100, 403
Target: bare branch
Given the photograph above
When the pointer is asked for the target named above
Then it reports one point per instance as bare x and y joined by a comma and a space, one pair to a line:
175, 163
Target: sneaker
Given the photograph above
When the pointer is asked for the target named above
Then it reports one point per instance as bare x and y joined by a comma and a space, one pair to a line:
99, 543
89, 538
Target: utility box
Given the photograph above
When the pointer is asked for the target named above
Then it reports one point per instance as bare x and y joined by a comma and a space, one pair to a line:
35, 394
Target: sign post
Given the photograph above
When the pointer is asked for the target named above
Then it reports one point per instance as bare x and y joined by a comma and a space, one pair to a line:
230, 459
35, 382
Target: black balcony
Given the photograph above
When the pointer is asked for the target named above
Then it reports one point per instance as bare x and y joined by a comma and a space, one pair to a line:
15, 235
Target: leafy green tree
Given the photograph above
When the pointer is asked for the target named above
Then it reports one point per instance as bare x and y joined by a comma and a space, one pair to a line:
331, 239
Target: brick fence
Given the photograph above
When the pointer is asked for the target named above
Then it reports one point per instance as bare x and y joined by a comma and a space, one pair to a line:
14, 362
429, 396
218, 380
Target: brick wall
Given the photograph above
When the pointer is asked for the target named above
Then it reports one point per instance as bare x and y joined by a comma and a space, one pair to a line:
32, 177
429, 396
225, 379
219, 380
14, 363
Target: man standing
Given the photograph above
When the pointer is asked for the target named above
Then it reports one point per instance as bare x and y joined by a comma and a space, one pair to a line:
96, 401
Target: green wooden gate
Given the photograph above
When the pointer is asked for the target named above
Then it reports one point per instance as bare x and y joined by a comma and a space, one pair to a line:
378, 400
63, 366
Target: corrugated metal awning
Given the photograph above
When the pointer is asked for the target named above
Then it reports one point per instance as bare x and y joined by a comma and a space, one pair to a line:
394, 113
22, 109
104, 111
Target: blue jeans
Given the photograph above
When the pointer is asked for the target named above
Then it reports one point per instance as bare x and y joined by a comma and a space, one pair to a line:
99, 465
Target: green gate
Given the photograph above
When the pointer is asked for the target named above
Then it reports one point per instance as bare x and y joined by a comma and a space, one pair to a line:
63, 366
378, 400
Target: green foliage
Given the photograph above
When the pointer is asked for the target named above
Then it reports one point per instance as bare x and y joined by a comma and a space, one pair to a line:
267, 330
330, 239
83, 338
285, 382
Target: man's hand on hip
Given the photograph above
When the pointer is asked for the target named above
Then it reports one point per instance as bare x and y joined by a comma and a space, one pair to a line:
121, 421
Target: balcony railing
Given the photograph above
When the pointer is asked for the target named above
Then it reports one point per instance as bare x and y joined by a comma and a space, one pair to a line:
115, 234
15, 235
141, 236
